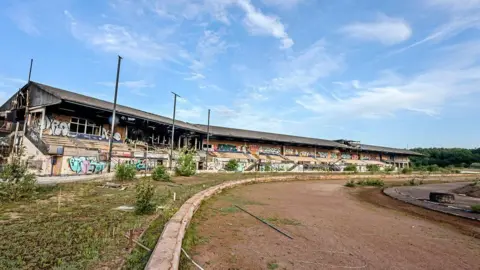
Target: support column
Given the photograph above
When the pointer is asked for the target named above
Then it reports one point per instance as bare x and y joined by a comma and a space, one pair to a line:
42, 123
196, 143
179, 142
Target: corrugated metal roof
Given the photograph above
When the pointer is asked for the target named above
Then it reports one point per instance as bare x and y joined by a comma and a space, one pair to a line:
101, 104
387, 150
258, 135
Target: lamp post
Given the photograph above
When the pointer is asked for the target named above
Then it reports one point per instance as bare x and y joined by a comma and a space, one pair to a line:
110, 139
175, 95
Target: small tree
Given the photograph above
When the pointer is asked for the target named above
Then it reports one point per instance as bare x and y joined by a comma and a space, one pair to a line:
186, 163
232, 165
144, 194
350, 168
160, 174
125, 172
16, 182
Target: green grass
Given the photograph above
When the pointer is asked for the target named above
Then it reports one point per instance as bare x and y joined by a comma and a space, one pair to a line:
272, 265
350, 183
283, 221
476, 208
370, 182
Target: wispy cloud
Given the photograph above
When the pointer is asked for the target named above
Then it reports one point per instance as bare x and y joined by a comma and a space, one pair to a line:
285, 4
258, 23
426, 92
384, 29
135, 87
195, 76
450, 29
21, 14
455, 5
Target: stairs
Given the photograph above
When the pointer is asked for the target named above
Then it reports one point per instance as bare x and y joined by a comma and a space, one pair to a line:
250, 167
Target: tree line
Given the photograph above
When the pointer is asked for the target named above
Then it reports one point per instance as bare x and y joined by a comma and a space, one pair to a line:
445, 157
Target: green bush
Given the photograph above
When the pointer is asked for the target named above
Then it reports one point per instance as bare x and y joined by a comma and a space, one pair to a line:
268, 167
186, 164
17, 182
389, 169
373, 168
476, 208
350, 183
433, 168
125, 172
144, 194
407, 170
350, 168
232, 165
371, 182
160, 174
412, 182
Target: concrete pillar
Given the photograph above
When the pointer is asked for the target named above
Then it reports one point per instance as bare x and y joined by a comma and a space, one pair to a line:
196, 147
42, 123
179, 142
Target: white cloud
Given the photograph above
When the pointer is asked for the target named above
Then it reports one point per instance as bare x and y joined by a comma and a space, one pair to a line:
23, 16
258, 23
286, 4
302, 71
195, 76
426, 92
123, 41
384, 29
450, 29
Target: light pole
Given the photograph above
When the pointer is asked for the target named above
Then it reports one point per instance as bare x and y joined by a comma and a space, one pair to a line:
175, 95
110, 139
208, 139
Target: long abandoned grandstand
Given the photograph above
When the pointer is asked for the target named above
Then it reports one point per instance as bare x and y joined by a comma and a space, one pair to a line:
67, 133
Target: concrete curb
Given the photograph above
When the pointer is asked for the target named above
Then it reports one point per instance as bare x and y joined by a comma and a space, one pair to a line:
166, 254
394, 193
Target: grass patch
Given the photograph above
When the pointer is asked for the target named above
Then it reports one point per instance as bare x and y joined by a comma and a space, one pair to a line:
413, 182
372, 182
350, 183
476, 208
283, 221
272, 265
229, 210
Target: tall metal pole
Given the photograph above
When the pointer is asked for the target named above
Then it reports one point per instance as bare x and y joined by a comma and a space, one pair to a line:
208, 140
175, 95
27, 100
110, 138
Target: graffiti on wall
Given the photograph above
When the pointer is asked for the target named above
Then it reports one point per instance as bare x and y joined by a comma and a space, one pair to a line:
226, 148
322, 154
269, 150
85, 165
57, 127
291, 152
354, 156
333, 155
346, 156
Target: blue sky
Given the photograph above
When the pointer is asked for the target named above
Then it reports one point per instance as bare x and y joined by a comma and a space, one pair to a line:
395, 73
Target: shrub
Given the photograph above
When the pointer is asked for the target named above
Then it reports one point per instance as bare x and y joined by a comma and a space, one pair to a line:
412, 182
407, 170
17, 183
373, 168
350, 168
186, 164
350, 183
433, 168
476, 208
124, 172
371, 182
389, 169
160, 174
268, 167
144, 194
232, 165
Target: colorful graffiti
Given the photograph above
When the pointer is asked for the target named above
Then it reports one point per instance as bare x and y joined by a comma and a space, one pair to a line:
354, 156
60, 128
85, 165
333, 155
322, 154
269, 150
226, 148
291, 152
346, 156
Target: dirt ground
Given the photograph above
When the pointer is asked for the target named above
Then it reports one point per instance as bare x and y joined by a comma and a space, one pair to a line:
332, 227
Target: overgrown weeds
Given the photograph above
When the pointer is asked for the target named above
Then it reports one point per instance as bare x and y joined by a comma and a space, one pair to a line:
160, 174
125, 172
144, 195
413, 182
366, 182
16, 182
350, 183
186, 163
476, 208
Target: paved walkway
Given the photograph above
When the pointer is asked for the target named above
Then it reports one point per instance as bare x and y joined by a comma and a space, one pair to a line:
419, 195
49, 180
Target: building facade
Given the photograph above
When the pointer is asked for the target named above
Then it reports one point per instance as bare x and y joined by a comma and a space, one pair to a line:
65, 133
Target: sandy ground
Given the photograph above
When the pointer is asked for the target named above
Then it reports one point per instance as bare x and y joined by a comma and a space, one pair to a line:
332, 227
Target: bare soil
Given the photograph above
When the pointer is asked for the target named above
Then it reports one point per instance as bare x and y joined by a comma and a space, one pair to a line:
472, 190
332, 227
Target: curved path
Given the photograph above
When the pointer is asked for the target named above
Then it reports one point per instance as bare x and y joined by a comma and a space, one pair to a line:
419, 196
331, 228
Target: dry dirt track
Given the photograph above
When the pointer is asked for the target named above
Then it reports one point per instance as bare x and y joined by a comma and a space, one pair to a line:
331, 227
